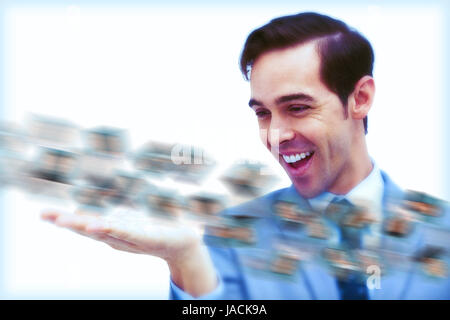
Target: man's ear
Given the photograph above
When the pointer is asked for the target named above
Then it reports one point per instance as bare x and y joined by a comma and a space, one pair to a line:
362, 97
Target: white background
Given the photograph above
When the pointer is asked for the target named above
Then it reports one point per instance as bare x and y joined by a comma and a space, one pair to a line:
171, 74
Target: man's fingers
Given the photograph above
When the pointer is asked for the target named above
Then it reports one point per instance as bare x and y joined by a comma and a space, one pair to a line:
103, 237
120, 244
125, 230
87, 224
74, 222
97, 226
50, 215
112, 230
94, 227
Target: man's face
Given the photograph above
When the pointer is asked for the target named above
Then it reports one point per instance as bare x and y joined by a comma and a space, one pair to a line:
303, 119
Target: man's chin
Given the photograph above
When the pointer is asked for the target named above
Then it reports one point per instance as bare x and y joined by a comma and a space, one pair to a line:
304, 185
306, 190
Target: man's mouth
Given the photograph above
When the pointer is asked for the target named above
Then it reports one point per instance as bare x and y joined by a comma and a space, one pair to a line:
298, 162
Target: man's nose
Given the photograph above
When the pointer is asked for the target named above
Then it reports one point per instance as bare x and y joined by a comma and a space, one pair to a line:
279, 132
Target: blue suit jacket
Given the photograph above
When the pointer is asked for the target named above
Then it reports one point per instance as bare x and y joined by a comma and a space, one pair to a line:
313, 280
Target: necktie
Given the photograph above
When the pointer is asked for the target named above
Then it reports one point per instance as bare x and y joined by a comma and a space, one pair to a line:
350, 288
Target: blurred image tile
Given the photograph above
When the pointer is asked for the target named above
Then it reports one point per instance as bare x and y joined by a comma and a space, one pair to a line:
398, 226
92, 198
272, 264
248, 179
127, 188
341, 263
359, 217
205, 205
47, 190
368, 258
284, 263
13, 139
53, 132
290, 212
54, 165
298, 248
165, 203
154, 158
433, 261
317, 229
13, 155
190, 163
97, 169
12, 171
106, 141
398, 222
428, 207
234, 231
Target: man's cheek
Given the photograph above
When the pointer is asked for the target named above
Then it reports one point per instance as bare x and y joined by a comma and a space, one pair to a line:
263, 136
271, 139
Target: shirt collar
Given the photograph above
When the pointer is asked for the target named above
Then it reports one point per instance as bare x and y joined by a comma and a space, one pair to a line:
369, 190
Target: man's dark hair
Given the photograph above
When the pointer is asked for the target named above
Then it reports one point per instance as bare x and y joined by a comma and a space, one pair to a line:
346, 56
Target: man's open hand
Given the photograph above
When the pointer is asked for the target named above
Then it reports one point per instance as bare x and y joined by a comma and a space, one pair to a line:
179, 244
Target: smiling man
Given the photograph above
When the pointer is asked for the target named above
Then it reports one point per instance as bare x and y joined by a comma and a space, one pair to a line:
311, 90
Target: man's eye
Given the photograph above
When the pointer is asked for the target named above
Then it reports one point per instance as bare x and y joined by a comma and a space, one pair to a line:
262, 113
298, 108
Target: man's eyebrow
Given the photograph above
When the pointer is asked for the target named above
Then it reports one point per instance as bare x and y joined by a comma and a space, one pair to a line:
295, 96
290, 97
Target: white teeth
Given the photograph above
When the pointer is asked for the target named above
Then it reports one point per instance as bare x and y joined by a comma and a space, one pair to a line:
296, 157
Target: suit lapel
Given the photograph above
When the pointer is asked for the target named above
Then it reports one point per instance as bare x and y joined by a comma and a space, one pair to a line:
395, 282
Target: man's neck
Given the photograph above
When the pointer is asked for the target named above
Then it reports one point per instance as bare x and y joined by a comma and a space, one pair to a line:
355, 170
